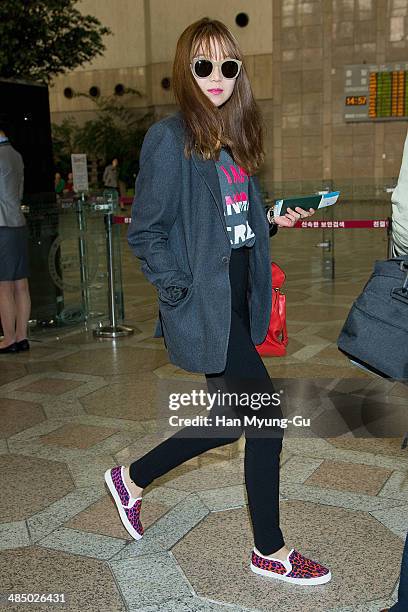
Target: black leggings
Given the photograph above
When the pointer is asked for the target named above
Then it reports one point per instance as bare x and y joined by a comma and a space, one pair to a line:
244, 371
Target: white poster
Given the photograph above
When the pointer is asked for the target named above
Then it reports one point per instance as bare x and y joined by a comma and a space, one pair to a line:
79, 172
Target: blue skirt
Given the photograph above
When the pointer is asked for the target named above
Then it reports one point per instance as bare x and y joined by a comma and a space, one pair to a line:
13, 253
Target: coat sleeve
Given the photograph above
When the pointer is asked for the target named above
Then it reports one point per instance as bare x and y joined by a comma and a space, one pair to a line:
273, 228
399, 200
154, 210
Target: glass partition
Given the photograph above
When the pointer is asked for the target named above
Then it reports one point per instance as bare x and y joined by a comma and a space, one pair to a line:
68, 261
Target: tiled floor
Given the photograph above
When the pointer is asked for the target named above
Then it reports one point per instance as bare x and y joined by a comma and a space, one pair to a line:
73, 407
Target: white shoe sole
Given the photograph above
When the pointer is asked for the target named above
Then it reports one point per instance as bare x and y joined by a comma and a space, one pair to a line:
126, 523
304, 581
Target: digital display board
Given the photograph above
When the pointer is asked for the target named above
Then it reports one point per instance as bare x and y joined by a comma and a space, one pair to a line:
376, 93
356, 100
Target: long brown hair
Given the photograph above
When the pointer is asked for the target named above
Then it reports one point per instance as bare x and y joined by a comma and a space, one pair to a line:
237, 124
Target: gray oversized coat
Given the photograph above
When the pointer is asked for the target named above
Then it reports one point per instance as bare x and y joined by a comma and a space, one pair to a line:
179, 233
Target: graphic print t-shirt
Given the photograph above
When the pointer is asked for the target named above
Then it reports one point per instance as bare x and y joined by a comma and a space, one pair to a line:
234, 184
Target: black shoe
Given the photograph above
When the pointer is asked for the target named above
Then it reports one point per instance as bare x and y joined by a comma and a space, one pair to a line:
23, 345
11, 348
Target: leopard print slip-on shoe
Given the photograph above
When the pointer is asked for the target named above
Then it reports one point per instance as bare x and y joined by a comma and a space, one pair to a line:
127, 506
297, 569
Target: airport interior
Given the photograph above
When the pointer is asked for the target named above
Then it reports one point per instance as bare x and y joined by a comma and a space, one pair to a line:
331, 80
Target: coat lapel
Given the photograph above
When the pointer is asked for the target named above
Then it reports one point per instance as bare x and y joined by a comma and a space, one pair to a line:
256, 214
208, 172
206, 169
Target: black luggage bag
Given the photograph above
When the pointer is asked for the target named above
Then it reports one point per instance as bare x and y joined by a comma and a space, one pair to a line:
375, 334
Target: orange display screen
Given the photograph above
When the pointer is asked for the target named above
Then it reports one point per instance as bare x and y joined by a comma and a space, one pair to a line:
356, 100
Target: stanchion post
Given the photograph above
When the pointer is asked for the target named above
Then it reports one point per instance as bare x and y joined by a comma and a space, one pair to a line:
83, 264
327, 243
113, 330
390, 242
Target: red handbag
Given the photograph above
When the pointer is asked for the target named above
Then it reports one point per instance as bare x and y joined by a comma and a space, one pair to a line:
276, 339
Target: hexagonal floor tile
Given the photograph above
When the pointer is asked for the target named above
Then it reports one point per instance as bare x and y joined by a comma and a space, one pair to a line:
17, 415
215, 557
203, 473
51, 386
29, 484
88, 584
355, 477
134, 400
377, 446
72, 435
10, 371
123, 360
102, 517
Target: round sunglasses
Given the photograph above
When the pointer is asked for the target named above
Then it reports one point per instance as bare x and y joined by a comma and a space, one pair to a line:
203, 68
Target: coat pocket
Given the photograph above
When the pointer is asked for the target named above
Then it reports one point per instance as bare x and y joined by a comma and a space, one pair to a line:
166, 302
181, 328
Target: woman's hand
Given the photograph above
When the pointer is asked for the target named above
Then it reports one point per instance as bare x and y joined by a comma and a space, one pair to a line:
291, 217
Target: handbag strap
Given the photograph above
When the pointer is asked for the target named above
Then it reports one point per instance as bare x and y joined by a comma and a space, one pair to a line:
401, 293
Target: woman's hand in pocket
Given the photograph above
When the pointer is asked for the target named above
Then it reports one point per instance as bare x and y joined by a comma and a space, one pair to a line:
176, 293
173, 294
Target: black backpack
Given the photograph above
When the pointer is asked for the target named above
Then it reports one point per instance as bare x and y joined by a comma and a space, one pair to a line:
375, 334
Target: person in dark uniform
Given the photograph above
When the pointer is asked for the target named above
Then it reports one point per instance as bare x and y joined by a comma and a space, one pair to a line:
15, 303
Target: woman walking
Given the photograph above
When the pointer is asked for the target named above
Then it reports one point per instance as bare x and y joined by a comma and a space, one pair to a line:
200, 230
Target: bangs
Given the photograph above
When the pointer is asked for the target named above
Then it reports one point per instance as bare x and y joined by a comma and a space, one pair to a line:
204, 44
